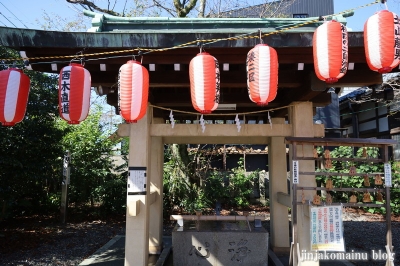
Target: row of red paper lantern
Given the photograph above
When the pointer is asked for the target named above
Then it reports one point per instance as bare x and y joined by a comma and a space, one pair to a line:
330, 51
381, 43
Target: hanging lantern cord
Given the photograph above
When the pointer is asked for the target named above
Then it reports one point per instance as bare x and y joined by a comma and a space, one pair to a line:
384, 2
200, 45
140, 53
82, 59
79, 57
260, 33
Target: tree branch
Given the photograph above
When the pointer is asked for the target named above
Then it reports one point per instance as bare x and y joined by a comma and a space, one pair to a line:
190, 6
92, 6
202, 8
181, 9
169, 10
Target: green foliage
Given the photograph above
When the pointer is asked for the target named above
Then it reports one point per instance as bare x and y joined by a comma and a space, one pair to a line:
217, 186
395, 190
29, 167
31, 155
112, 194
240, 185
196, 199
91, 151
176, 188
230, 188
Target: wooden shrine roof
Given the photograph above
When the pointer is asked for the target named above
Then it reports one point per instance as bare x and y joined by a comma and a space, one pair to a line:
165, 42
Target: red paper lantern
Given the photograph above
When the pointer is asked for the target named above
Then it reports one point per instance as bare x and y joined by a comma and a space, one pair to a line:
14, 90
330, 48
133, 91
381, 41
204, 82
74, 93
262, 74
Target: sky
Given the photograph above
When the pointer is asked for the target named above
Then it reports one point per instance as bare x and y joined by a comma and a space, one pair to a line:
27, 13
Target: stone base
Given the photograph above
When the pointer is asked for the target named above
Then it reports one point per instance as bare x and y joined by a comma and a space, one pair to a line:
219, 243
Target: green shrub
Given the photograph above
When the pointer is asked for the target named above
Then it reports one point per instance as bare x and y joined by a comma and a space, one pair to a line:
112, 196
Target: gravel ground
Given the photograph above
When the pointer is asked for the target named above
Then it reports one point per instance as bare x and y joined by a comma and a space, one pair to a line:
55, 244
367, 233
43, 242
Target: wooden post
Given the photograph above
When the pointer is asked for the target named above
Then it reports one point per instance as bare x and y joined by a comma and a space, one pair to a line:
389, 241
301, 119
138, 208
64, 186
156, 186
278, 183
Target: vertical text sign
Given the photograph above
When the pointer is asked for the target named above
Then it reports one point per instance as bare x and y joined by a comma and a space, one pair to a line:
66, 168
137, 181
295, 172
388, 175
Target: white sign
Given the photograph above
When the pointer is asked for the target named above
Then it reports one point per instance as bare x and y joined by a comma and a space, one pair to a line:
388, 174
137, 181
295, 170
66, 168
327, 228
67, 159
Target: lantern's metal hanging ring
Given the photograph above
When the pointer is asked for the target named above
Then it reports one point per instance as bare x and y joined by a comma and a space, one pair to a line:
75, 59
82, 59
384, 2
140, 53
260, 34
79, 57
200, 45
133, 57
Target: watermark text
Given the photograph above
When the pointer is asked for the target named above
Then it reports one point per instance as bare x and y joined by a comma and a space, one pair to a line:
352, 255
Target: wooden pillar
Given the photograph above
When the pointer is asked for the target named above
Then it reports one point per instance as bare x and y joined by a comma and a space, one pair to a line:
279, 232
156, 190
138, 207
301, 119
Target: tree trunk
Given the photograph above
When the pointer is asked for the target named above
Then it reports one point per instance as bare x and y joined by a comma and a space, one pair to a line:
183, 153
202, 8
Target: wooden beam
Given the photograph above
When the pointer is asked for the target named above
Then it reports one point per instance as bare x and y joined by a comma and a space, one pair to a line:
358, 78
134, 208
218, 134
356, 142
284, 199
